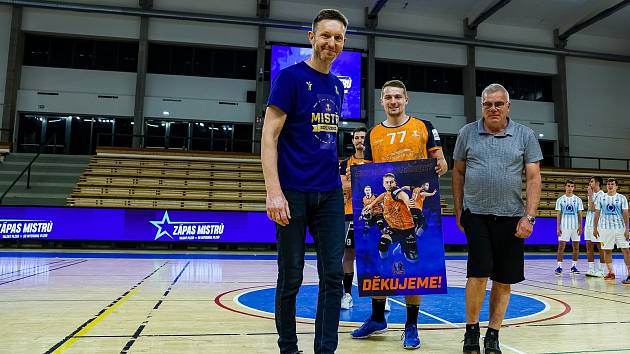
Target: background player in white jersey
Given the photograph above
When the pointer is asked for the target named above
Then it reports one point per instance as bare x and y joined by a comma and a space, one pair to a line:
595, 269
611, 225
569, 225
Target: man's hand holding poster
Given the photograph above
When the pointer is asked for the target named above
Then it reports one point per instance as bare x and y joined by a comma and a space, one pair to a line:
398, 228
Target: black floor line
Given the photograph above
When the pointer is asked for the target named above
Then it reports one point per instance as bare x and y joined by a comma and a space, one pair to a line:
42, 272
69, 336
555, 289
35, 267
144, 323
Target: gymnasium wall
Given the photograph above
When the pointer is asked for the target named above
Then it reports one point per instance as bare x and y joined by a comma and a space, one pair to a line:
78, 91
202, 98
80, 23
599, 122
594, 86
5, 30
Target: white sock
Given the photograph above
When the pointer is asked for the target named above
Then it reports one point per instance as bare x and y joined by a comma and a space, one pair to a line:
591, 266
560, 264
573, 264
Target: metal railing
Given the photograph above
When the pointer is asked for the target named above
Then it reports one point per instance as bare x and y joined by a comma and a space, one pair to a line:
177, 142
27, 170
588, 162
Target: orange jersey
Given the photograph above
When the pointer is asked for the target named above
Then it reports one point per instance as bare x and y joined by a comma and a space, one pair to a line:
413, 140
418, 198
377, 208
396, 213
347, 195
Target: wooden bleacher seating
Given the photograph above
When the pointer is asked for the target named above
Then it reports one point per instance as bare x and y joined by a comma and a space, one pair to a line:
132, 178
164, 179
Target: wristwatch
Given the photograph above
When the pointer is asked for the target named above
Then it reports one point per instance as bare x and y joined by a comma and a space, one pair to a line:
531, 219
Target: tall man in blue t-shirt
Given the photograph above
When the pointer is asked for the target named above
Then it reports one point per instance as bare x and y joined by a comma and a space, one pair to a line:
301, 169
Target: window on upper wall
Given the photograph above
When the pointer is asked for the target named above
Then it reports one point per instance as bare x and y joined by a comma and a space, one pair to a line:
80, 53
182, 61
421, 77
242, 137
202, 61
526, 87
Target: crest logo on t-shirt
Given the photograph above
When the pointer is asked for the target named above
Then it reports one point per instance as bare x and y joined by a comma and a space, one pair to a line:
324, 119
309, 85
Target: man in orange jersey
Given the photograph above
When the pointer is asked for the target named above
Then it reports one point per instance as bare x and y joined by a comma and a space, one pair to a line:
399, 138
373, 216
397, 213
418, 195
358, 138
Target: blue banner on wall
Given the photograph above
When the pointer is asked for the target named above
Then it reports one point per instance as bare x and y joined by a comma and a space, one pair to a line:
398, 228
146, 225
71, 223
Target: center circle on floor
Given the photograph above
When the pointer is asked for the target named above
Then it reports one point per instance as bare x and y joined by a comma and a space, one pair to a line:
435, 309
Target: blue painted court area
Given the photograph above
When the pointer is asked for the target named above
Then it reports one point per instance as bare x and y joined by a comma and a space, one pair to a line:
445, 309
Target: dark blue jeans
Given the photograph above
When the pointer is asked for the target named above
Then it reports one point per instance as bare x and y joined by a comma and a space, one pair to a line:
323, 214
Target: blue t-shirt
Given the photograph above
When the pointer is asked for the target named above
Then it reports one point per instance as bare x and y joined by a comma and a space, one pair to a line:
307, 145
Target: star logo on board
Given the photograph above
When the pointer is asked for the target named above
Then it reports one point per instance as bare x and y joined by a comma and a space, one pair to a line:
309, 85
162, 226
187, 230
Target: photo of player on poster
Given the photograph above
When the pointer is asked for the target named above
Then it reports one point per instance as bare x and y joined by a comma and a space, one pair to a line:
402, 250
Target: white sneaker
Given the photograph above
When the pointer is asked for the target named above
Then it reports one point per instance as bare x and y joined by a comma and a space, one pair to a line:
599, 274
591, 273
346, 301
388, 308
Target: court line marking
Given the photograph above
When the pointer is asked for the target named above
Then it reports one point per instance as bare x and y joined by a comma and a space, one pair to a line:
205, 256
45, 271
219, 298
462, 271
144, 323
402, 304
567, 307
502, 344
37, 266
592, 351
441, 319
70, 339
575, 287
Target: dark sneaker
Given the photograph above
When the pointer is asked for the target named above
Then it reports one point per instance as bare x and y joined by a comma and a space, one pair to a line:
471, 342
410, 337
610, 276
369, 328
491, 345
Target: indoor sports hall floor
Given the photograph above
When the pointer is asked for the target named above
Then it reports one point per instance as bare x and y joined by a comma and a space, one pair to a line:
92, 302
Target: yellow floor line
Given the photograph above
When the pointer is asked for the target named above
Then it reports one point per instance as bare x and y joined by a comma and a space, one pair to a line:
98, 319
